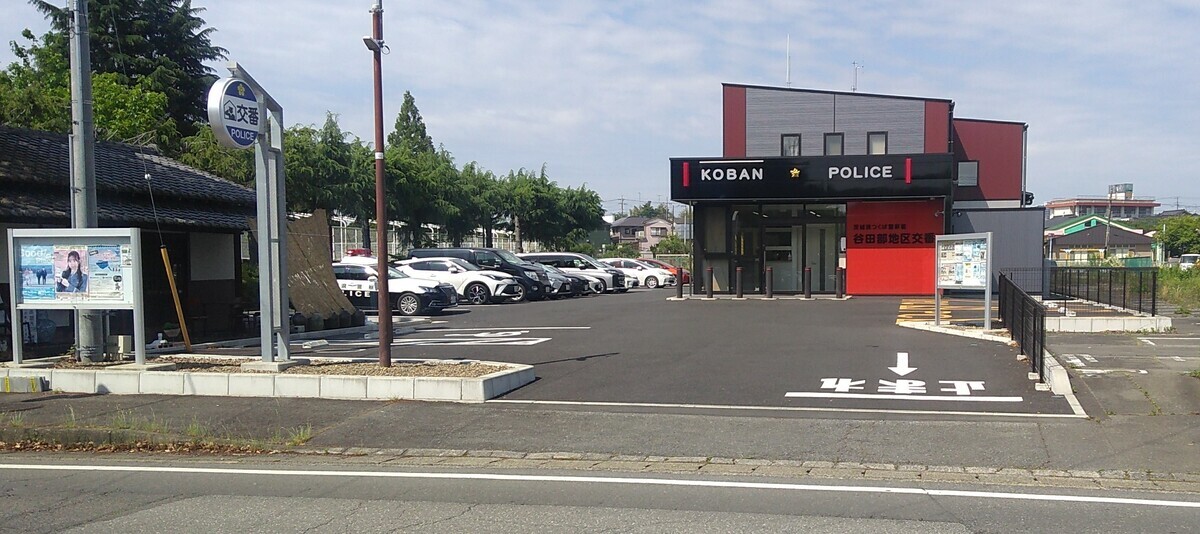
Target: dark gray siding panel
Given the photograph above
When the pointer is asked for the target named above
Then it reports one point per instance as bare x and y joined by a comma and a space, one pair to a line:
902, 119
771, 113
1016, 241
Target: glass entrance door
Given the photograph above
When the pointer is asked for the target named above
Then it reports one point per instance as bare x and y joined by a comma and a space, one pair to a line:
783, 256
821, 255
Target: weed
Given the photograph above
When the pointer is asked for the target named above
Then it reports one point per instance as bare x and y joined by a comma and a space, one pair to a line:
196, 430
299, 435
16, 419
71, 421
1195, 374
123, 420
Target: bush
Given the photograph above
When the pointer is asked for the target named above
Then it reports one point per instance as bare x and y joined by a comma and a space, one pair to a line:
1179, 287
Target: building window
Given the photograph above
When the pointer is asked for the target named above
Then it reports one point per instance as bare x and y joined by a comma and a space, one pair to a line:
789, 145
833, 144
658, 231
968, 173
876, 143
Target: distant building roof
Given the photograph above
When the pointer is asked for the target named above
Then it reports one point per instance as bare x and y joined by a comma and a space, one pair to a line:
35, 176
1172, 213
1054, 224
1095, 236
630, 221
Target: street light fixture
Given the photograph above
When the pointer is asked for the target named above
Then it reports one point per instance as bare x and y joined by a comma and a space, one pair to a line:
382, 295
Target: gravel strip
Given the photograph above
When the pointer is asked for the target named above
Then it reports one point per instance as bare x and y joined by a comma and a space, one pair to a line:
233, 365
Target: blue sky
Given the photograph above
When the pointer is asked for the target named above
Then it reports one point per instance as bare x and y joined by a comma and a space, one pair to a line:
604, 92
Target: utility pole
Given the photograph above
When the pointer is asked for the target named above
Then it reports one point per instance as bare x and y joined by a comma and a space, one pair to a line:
1108, 219
88, 324
382, 296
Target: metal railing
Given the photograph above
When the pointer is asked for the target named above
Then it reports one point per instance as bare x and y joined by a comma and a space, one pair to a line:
1131, 288
1025, 318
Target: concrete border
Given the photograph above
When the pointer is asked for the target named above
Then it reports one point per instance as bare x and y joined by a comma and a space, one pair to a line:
355, 387
1108, 324
1054, 374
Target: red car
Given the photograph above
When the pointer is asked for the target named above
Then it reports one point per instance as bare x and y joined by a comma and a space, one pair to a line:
681, 274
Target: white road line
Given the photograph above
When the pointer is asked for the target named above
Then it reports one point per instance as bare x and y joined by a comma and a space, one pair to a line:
612, 480
889, 396
1144, 340
509, 328
783, 408
1196, 338
1106, 371
1088, 357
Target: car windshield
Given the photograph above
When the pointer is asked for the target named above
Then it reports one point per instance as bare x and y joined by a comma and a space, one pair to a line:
466, 265
509, 257
552, 269
595, 263
395, 273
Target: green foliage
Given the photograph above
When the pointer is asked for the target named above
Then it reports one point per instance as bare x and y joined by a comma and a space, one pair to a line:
671, 244
409, 133
162, 45
1182, 234
1181, 288
620, 250
203, 152
648, 210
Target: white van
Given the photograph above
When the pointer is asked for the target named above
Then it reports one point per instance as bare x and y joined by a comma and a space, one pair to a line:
1187, 261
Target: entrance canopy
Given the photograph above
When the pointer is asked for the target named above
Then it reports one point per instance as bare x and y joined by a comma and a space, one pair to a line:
812, 178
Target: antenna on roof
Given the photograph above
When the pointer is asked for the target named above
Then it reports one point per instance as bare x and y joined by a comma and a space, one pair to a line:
857, 67
788, 80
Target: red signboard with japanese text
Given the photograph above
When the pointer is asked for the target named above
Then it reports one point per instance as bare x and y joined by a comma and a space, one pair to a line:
890, 246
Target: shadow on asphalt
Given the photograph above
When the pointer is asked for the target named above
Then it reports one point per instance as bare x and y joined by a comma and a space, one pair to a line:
577, 358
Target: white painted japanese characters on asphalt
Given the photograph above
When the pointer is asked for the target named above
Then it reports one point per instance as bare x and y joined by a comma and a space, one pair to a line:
901, 388
505, 337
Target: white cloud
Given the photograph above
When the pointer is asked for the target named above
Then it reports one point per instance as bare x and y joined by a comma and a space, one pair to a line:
604, 92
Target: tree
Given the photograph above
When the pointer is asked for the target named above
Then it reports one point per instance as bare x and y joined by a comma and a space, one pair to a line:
409, 133
671, 244
203, 152
164, 42
651, 211
35, 93
1182, 234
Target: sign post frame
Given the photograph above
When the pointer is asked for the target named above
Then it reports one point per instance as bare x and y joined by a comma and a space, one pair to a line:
107, 236
955, 267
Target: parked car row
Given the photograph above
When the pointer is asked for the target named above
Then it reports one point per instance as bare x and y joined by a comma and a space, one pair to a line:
433, 279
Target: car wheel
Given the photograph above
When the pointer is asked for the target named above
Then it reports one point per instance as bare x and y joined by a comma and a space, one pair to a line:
651, 282
603, 286
408, 304
478, 293
520, 296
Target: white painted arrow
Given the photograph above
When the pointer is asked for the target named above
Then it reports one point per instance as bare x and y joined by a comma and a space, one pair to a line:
902, 367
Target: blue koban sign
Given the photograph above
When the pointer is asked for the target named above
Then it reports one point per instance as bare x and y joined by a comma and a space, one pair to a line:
234, 113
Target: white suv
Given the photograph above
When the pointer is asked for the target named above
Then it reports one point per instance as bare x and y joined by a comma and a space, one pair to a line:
647, 275
477, 286
573, 262
1188, 261
356, 276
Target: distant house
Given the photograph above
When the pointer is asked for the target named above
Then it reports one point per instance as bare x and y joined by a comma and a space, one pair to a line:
200, 219
1117, 206
1089, 244
645, 232
1173, 213
1067, 224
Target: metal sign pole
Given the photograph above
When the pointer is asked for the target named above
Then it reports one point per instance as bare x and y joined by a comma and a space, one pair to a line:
274, 323
987, 290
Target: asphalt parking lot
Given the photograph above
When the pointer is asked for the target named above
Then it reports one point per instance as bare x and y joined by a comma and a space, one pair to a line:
640, 350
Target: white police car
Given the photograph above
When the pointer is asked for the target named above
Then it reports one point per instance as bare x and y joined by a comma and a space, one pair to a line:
356, 276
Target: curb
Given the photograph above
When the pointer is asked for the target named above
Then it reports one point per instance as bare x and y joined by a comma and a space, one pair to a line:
1073, 478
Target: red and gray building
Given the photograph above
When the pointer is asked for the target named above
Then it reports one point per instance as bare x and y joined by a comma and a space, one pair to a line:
864, 182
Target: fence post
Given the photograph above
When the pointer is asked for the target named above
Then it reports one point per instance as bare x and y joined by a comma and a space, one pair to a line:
1140, 291
738, 280
808, 282
1125, 291
1109, 301
709, 289
1153, 292
769, 285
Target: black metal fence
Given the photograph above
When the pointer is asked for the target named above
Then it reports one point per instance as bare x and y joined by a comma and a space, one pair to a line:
1131, 288
1025, 318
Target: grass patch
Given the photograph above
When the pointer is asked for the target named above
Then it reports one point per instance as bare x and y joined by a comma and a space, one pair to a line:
1195, 374
1181, 288
16, 419
299, 435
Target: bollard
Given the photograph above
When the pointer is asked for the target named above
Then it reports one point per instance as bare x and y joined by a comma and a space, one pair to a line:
808, 282
738, 276
769, 283
839, 282
709, 289
679, 285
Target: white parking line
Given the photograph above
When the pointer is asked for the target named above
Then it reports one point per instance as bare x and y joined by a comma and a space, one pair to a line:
888, 396
646, 481
510, 328
1079, 414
